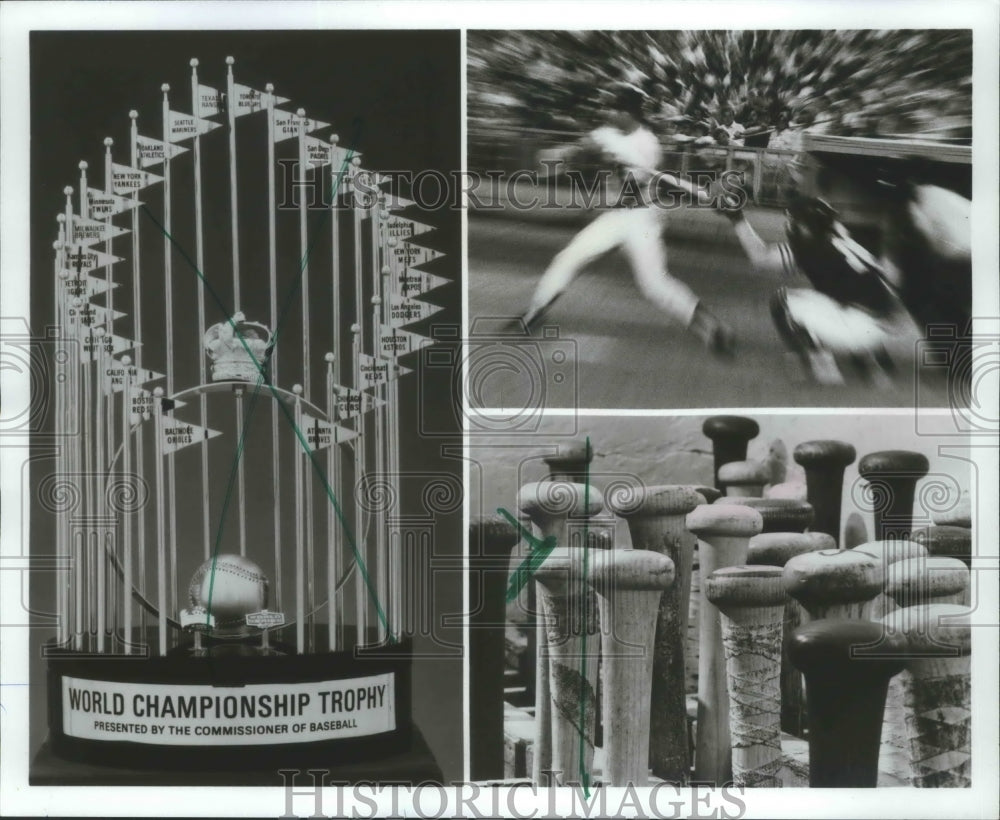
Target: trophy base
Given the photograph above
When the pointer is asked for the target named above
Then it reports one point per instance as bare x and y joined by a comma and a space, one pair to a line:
235, 709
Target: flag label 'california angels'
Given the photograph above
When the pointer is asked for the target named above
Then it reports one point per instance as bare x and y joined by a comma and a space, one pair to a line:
116, 375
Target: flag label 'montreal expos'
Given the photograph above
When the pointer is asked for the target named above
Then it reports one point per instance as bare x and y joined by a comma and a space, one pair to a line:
415, 282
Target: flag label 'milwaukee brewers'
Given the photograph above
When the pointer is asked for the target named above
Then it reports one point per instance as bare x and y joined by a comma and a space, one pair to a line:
177, 435
90, 231
255, 714
126, 180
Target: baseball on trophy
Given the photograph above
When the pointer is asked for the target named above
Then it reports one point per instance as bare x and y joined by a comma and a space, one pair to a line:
229, 587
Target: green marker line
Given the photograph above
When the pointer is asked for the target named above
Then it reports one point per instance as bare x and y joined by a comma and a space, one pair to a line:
540, 549
289, 417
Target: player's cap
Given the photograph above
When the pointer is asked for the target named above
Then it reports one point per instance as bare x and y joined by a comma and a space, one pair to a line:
629, 100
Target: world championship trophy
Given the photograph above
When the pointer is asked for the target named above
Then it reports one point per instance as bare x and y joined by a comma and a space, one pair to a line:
234, 601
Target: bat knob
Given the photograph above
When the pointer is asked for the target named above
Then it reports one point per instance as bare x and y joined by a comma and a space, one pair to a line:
730, 427
630, 569
549, 499
571, 461
744, 474
891, 551
830, 577
778, 548
924, 580
954, 542
893, 464
657, 500
778, 514
732, 520
824, 454
734, 588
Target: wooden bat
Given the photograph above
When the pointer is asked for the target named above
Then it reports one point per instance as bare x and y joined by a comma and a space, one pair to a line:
691, 648
723, 532
937, 692
656, 522
834, 583
777, 514
629, 585
550, 505
958, 516
744, 478
892, 476
573, 646
846, 696
572, 462
930, 580
775, 549
752, 603
947, 540
710, 494
824, 463
888, 553
729, 436
491, 539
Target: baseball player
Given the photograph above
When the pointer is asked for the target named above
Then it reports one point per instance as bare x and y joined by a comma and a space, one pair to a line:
629, 143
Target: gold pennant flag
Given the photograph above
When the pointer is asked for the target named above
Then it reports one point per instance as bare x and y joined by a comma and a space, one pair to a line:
178, 434
126, 180
186, 126
103, 206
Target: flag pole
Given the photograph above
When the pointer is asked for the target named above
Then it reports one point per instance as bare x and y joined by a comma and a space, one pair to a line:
231, 117
168, 281
127, 528
333, 555
359, 458
101, 564
306, 369
272, 268
140, 449
381, 462
335, 569
300, 634
161, 538
62, 456
109, 298
199, 251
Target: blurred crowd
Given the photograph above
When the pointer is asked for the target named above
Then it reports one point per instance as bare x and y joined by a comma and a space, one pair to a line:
756, 88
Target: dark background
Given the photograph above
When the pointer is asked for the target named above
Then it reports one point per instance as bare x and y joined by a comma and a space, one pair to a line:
393, 97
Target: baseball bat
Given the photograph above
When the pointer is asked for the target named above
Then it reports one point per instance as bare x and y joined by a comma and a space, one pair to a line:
855, 531
723, 532
572, 462
892, 476
888, 553
937, 692
947, 540
629, 585
573, 646
729, 436
824, 463
710, 494
491, 539
752, 603
744, 478
846, 696
550, 505
656, 521
959, 515
777, 514
834, 583
775, 549
931, 580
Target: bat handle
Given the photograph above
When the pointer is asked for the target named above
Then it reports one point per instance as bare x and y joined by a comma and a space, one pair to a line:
892, 476
729, 436
846, 692
824, 463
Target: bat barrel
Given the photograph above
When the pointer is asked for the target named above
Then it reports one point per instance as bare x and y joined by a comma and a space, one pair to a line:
723, 532
491, 539
629, 585
776, 549
824, 463
744, 478
777, 514
892, 476
573, 647
752, 603
845, 719
937, 692
656, 520
729, 436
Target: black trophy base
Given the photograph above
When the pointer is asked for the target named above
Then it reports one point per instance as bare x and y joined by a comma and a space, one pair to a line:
231, 709
410, 766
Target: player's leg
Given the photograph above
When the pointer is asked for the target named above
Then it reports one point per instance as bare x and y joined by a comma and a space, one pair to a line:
599, 237
648, 257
